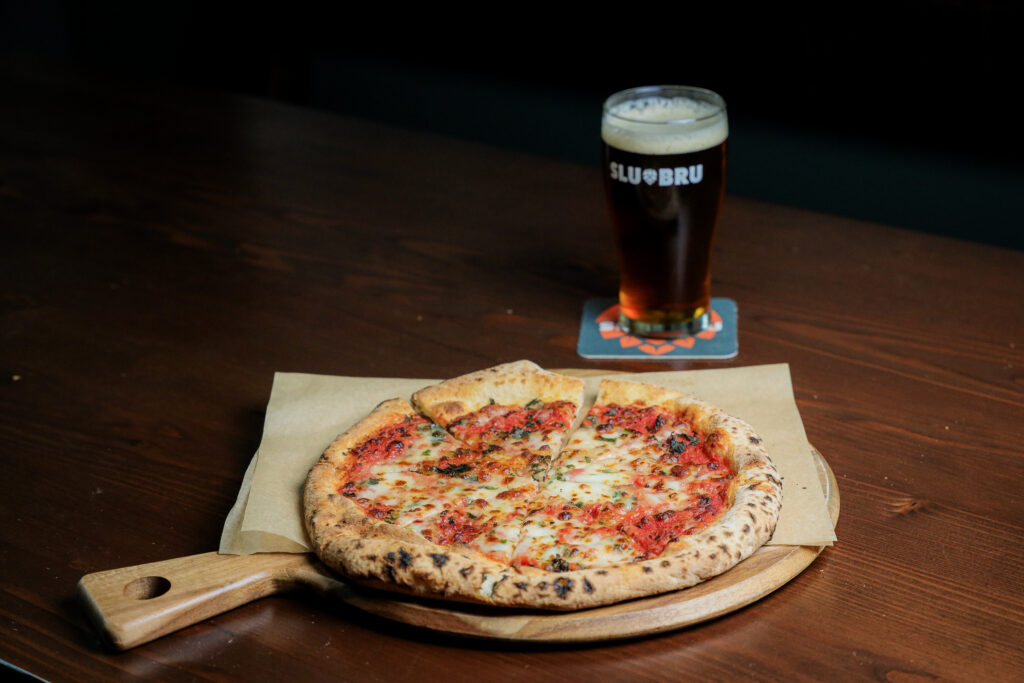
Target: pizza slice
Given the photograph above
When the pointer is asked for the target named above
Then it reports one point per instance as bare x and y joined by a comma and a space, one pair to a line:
516, 412
643, 442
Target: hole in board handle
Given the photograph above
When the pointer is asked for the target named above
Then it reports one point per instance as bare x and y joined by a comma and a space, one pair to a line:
147, 587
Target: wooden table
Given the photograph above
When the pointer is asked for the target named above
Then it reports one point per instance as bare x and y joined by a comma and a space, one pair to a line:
165, 251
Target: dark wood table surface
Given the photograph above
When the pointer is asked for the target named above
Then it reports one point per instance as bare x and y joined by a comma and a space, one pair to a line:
164, 252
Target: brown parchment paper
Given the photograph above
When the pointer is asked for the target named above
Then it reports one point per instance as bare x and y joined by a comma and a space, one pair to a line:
306, 412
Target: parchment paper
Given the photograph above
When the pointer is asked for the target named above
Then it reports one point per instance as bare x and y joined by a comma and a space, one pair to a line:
307, 412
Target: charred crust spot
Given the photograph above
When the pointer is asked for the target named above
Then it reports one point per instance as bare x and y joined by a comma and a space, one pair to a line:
601, 572
724, 548
390, 558
666, 564
542, 585
562, 586
726, 533
358, 544
587, 586
754, 439
440, 559
372, 558
390, 571
559, 564
404, 558
713, 555
521, 585
647, 570
712, 538
466, 571
746, 528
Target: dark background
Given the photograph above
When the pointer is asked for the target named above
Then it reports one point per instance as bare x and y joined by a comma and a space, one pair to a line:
902, 112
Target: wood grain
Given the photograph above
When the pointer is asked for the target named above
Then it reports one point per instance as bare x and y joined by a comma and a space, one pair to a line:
165, 251
134, 605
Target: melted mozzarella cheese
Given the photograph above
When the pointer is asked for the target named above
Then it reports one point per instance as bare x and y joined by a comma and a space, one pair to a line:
576, 510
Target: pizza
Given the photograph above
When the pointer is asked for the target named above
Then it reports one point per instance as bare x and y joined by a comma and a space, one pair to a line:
497, 487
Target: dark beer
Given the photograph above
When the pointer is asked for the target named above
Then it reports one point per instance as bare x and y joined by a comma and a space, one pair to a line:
664, 169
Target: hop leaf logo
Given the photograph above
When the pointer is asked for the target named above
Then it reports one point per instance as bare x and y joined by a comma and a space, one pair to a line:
650, 176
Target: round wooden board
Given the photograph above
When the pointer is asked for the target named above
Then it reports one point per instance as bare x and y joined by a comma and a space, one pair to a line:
769, 568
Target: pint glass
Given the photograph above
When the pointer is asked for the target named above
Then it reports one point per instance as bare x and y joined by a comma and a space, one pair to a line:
664, 177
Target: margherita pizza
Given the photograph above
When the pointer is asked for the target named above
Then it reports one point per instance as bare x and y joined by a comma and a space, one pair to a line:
488, 488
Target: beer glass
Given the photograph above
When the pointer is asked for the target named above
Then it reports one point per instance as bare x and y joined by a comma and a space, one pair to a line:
664, 178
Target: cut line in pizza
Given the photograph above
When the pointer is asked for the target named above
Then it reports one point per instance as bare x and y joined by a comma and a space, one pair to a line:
608, 326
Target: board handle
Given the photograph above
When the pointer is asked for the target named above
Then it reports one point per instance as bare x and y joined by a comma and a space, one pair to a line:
134, 605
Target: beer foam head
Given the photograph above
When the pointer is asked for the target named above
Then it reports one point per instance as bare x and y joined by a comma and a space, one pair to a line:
662, 124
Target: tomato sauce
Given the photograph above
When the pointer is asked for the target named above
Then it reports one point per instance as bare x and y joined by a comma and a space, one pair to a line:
650, 529
494, 420
643, 419
459, 463
503, 470
376, 511
455, 526
387, 444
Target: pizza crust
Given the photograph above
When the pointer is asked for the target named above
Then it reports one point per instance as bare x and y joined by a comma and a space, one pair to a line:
383, 555
625, 392
508, 384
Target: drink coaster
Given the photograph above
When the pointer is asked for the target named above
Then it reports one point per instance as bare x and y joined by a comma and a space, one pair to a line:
601, 336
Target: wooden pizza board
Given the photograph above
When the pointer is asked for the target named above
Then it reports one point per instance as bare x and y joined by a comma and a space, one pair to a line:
134, 605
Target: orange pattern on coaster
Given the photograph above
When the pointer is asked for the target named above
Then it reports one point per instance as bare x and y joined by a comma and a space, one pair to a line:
608, 325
